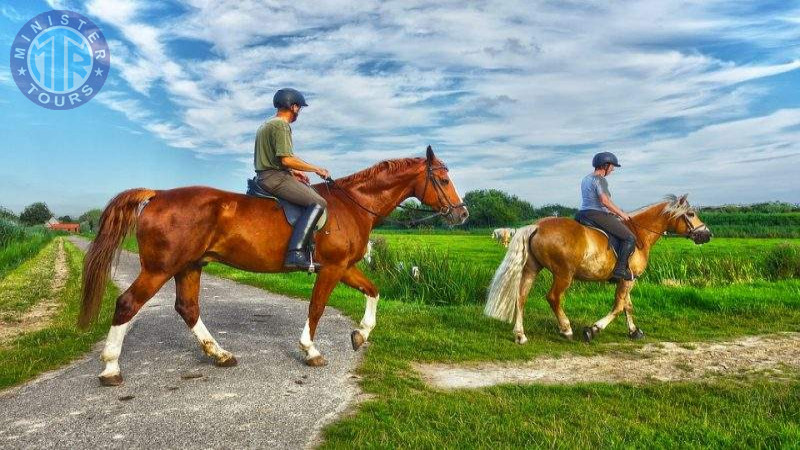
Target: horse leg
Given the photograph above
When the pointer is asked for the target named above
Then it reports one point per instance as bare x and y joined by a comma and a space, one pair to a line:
356, 279
620, 300
529, 273
633, 331
554, 297
187, 304
128, 304
328, 276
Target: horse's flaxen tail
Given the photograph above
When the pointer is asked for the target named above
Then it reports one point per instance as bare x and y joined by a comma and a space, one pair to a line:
115, 223
504, 290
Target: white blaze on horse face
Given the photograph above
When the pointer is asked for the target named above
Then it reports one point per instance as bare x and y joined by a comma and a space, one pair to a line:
209, 344
306, 344
369, 319
113, 348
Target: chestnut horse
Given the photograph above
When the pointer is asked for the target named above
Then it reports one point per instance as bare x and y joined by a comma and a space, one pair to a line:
572, 251
181, 230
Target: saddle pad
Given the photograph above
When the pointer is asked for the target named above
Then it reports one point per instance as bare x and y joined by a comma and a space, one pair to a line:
290, 210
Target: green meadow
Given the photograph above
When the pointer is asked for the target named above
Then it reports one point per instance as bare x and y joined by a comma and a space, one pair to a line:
721, 290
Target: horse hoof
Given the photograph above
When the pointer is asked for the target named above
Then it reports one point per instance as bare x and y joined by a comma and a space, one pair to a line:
521, 339
227, 362
111, 380
589, 333
567, 336
317, 361
356, 339
636, 334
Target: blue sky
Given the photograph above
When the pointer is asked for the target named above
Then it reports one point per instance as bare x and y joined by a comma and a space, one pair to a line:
699, 97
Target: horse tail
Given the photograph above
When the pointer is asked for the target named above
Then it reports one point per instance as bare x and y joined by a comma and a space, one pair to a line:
504, 290
117, 220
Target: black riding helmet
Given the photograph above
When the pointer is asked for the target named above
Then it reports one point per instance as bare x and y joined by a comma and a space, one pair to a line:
603, 158
285, 98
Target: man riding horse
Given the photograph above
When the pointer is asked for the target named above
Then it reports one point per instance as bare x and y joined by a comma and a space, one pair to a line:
598, 210
280, 172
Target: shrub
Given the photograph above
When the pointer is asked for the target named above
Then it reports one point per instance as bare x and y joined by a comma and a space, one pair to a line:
783, 261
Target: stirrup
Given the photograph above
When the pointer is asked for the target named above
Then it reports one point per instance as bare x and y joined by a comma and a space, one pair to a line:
306, 257
627, 277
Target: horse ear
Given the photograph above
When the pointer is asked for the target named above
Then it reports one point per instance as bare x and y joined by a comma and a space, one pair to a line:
682, 200
429, 154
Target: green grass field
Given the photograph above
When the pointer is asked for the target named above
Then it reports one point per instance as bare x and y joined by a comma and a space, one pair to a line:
727, 412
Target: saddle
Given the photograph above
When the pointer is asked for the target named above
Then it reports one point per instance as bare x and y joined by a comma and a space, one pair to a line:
291, 210
613, 241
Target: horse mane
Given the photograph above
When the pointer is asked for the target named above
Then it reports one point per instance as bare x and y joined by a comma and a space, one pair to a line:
673, 208
388, 166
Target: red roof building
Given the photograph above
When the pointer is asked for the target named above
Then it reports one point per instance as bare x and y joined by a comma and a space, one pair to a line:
70, 227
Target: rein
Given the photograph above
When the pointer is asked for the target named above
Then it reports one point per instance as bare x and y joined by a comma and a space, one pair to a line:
429, 179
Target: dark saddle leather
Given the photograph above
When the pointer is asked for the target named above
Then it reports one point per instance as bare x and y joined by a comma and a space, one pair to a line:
291, 210
613, 241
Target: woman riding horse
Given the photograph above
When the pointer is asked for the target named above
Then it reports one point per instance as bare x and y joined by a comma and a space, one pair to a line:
280, 173
575, 252
598, 210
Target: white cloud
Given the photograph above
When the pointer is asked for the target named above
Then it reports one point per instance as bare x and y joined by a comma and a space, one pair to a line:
10, 13
499, 87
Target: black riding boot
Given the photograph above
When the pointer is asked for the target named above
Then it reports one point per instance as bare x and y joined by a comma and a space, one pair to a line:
298, 256
624, 252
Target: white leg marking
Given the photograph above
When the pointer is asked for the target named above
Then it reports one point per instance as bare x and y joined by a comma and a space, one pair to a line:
306, 344
369, 319
209, 344
629, 316
519, 330
602, 323
113, 349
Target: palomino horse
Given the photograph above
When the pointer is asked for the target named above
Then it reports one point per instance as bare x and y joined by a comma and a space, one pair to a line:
572, 251
181, 230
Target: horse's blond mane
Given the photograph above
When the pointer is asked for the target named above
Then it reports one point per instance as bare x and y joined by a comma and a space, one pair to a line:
674, 207
381, 168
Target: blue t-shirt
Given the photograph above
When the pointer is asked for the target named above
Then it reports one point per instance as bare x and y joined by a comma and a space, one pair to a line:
591, 188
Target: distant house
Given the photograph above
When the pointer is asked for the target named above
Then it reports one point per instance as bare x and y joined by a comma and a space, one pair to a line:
70, 227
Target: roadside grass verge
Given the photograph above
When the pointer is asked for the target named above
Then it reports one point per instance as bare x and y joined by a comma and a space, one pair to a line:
18, 244
28, 284
33, 353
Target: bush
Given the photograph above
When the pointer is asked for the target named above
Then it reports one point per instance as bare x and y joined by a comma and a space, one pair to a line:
10, 232
783, 261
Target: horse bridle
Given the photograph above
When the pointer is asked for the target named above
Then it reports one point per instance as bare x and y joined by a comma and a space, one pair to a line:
441, 196
691, 229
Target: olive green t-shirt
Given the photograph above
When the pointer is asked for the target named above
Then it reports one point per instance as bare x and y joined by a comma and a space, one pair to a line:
273, 140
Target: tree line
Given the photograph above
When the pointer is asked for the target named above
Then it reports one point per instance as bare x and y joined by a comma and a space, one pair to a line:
38, 213
488, 208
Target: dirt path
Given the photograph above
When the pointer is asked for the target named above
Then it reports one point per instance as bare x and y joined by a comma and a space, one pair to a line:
665, 361
41, 314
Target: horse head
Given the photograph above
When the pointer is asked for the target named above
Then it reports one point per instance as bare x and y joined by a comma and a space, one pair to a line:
434, 188
683, 220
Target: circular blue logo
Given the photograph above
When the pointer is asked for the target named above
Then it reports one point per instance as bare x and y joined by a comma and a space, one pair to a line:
60, 60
